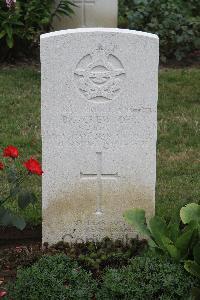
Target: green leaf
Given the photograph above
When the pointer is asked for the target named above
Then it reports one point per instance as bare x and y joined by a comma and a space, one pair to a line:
64, 8
2, 212
6, 217
9, 31
190, 212
18, 222
62, 11
171, 248
45, 21
11, 175
193, 268
184, 240
9, 41
152, 244
136, 218
173, 230
14, 190
25, 198
158, 229
18, 23
2, 34
67, 3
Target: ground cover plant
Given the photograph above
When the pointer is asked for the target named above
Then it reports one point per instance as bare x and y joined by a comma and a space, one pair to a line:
178, 147
53, 277
193, 267
94, 257
59, 277
147, 278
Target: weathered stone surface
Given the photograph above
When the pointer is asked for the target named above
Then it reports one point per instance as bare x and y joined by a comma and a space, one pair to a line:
99, 119
90, 13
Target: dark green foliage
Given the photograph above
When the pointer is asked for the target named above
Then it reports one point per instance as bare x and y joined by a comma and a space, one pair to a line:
53, 277
191, 7
7, 218
147, 278
97, 256
90, 256
14, 192
60, 277
22, 23
193, 267
25, 198
175, 22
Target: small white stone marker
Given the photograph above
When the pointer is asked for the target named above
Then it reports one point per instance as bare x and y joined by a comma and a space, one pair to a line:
82, 4
89, 13
99, 130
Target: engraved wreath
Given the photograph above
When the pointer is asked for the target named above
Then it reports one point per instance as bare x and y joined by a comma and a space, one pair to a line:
99, 75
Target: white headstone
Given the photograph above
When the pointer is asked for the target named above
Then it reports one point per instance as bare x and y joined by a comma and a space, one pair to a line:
99, 128
90, 13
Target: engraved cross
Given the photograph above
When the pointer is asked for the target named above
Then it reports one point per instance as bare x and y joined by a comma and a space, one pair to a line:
99, 176
83, 4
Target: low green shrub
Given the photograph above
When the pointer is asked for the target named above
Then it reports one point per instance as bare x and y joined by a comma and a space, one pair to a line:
147, 278
192, 7
22, 22
175, 22
52, 277
193, 267
59, 277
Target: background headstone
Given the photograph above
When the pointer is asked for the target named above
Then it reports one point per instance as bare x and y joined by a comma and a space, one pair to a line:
99, 129
90, 13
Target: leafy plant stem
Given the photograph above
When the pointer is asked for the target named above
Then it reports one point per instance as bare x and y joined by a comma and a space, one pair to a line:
19, 181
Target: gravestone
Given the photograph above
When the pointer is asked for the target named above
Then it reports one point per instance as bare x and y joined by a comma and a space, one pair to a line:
89, 13
99, 120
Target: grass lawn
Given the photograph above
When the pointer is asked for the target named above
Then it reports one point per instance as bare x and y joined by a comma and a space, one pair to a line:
178, 152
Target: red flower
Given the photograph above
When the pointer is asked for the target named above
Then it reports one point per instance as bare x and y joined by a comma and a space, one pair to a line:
33, 166
10, 151
2, 293
1, 166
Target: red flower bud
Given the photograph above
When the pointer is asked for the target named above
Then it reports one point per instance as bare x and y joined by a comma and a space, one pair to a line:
2, 293
11, 151
33, 166
1, 166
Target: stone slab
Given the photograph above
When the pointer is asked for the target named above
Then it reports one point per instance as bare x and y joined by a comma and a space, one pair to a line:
99, 131
94, 13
